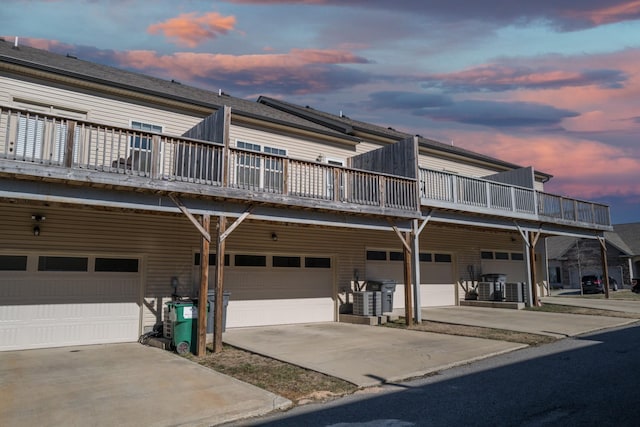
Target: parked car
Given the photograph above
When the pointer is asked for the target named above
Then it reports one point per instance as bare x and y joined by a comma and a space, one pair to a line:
593, 284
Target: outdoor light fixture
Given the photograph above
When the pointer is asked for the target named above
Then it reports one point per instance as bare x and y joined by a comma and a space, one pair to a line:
274, 237
37, 218
36, 231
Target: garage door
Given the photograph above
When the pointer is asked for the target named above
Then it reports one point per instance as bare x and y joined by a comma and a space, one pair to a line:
437, 287
278, 289
56, 301
503, 262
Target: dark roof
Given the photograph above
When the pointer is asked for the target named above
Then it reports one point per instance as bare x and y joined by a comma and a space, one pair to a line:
630, 235
348, 125
558, 246
136, 82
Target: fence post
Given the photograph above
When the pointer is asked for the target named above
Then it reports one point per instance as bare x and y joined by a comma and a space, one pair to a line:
155, 156
68, 143
381, 190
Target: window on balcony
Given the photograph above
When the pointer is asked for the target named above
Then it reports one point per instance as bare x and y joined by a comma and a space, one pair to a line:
331, 180
257, 171
140, 146
41, 135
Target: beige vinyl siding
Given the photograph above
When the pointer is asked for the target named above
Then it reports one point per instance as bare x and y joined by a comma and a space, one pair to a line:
297, 148
163, 243
99, 108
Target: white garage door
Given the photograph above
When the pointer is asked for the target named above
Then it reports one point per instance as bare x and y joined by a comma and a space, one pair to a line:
437, 287
278, 289
502, 262
56, 301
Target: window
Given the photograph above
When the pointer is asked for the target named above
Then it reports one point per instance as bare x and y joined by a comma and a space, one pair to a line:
117, 265
317, 262
212, 259
286, 261
140, 145
442, 258
13, 262
502, 255
486, 255
254, 171
516, 256
396, 256
424, 257
376, 255
62, 263
331, 180
250, 261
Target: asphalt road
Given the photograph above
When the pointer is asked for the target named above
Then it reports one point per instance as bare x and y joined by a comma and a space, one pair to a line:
592, 380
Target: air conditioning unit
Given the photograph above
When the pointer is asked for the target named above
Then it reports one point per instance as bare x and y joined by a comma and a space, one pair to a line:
514, 292
485, 291
367, 303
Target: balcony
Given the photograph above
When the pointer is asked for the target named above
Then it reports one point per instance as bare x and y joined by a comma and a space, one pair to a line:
42, 146
451, 191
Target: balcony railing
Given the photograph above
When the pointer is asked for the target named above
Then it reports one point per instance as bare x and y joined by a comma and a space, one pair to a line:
572, 210
453, 191
59, 142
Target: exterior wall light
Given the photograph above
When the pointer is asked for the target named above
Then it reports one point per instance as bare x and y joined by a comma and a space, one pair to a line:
274, 237
36, 231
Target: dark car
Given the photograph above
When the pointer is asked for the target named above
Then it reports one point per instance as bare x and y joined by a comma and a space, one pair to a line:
594, 284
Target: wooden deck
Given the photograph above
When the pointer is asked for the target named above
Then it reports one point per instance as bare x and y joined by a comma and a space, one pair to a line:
48, 147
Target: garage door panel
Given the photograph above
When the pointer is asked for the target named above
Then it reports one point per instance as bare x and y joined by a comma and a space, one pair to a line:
267, 285
55, 309
279, 312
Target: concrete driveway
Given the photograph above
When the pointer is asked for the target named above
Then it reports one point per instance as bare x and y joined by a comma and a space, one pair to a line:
627, 306
364, 355
554, 324
121, 385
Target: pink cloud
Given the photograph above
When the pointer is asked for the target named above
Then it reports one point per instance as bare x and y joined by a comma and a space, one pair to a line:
189, 29
581, 168
611, 14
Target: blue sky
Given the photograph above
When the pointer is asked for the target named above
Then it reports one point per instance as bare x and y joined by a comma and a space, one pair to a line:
552, 83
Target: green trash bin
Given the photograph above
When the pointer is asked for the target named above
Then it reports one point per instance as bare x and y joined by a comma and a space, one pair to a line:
184, 319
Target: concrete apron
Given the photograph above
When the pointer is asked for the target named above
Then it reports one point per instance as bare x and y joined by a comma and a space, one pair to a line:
364, 355
123, 385
558, 325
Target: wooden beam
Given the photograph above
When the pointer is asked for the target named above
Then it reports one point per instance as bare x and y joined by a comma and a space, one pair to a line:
236, 223
219, 282
69, 143
204, 288
402, 238
408, 315
415, 269
203, 231
605, 265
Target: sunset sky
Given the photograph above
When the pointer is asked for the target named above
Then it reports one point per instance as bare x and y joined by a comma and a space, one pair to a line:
550, 83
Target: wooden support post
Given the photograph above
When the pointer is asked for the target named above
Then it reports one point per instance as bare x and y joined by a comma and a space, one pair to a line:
219, 306
605, 266
69, 143
408, 315
204, 287
154, 170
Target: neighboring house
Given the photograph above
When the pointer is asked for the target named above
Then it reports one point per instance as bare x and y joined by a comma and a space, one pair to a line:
105, 173
570, 258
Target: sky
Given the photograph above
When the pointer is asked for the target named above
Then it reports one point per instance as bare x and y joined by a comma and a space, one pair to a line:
553, 84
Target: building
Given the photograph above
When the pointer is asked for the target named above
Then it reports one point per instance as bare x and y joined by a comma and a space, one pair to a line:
108, 181
570, 258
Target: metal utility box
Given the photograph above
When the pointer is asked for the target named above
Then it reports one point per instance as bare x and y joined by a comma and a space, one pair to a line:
183, 320
386, 289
